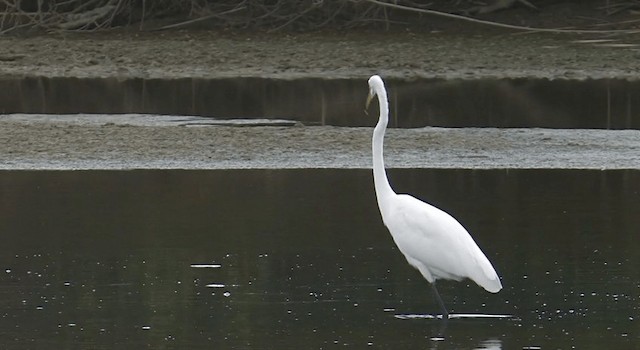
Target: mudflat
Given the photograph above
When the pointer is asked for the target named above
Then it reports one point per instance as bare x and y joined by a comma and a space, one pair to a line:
62, 144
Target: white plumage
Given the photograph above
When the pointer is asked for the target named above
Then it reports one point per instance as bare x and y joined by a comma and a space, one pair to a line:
431, 240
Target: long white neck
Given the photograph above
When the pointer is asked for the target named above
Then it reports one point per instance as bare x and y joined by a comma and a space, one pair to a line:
382, 187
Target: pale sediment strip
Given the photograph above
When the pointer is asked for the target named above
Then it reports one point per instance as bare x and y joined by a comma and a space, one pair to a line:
179, 142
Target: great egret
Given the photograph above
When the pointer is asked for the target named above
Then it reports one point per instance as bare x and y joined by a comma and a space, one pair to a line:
432, 241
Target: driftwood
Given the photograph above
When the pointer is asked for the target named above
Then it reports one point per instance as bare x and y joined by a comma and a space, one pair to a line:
94, 16
85, 15
503, 25
61, 15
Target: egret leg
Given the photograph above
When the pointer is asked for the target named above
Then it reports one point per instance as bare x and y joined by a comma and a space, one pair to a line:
445, 313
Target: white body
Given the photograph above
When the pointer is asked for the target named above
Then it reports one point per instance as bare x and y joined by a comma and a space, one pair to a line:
435, 243
431, 240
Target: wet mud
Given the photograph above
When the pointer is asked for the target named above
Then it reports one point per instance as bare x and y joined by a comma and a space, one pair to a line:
484, 53
132, 142
55, 144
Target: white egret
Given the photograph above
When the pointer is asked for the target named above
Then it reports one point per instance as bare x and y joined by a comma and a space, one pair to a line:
431, 240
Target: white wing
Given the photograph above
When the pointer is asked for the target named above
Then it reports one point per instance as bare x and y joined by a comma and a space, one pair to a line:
436, 243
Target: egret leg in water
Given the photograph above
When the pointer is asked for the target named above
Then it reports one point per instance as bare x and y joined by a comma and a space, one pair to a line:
445, 313
431, 240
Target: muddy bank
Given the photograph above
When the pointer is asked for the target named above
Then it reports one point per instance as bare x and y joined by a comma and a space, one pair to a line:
100, 142
434, 78
32, 144
215, 54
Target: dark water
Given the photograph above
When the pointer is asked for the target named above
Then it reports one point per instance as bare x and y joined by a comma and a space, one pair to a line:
417, 102
299, 259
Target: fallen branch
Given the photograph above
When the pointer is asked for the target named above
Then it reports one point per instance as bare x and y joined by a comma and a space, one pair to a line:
503, 25
85, 18
196, 20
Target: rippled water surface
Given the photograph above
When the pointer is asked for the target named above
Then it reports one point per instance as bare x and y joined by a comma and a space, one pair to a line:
299, 259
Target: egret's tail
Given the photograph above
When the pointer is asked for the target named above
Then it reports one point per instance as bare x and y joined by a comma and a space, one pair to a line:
486, 277
490, 281
492, 285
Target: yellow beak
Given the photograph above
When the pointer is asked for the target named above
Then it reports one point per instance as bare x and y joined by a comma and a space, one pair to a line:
366, 105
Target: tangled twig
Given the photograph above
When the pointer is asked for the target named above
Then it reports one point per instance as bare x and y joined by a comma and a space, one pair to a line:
503, 25
87, 15
84, 15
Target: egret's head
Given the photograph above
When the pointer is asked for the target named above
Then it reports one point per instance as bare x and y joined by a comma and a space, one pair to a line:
375, 84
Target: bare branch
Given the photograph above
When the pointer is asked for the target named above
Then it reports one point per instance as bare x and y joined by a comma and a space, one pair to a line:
503, 25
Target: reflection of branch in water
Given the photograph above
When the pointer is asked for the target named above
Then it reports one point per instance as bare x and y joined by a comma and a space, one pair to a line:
490, 344
457, 316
